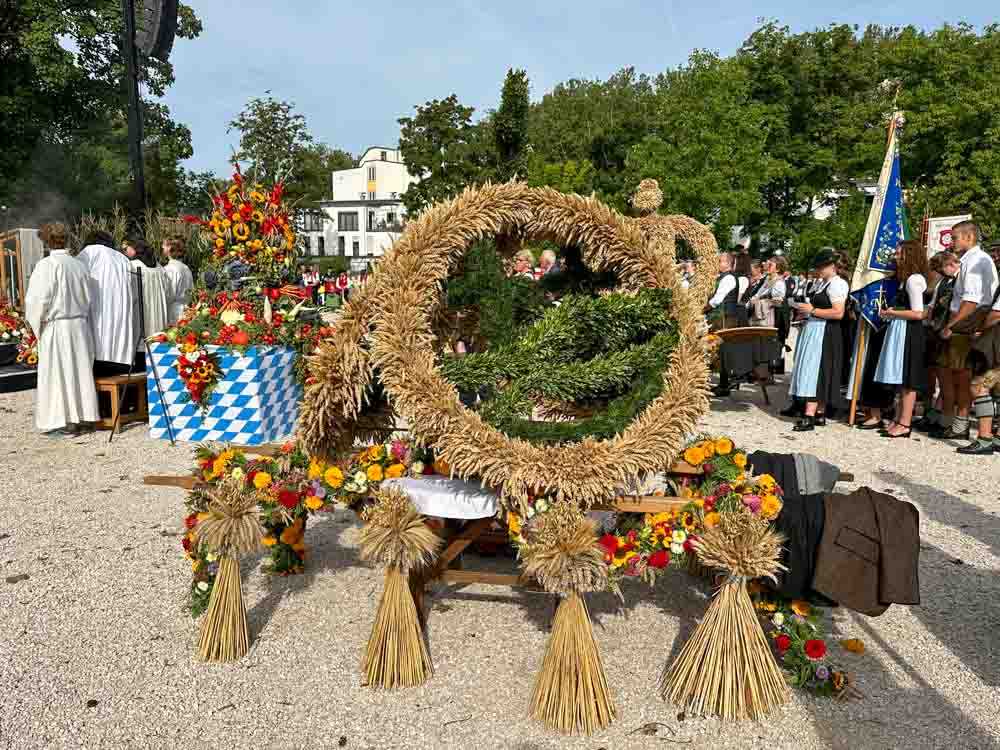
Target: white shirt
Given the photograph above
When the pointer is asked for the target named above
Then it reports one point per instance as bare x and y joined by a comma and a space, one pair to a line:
744, 285
838, 290
774, 290
112, 300
977, 280
726, 285
916, 285
181, 284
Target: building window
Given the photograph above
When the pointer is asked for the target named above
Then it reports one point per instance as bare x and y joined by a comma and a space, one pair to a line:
383, 156
371, 221
305, 243
390, 218
321, 245
371, 172
342, 245
371, 196
347, 221
356, 247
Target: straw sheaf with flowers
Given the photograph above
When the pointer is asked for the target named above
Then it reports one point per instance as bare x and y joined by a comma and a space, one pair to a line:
14, 329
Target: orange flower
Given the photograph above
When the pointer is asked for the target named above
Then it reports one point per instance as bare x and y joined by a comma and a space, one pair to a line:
724, 446
712, 520
854, 645
801, 608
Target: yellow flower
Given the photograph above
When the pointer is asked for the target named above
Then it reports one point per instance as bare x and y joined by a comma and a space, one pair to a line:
740, 459
375, 453
686, 492
688, 521
396, 470
374, 473
314, 503
316, 469
261, 480
724, 446
800, 607
258, 217
712, 520
219, 466
257, 197
709, 448
204, 517
220, 243
333, 477
854, 645
770, 506
766, 480
514, 523
699, 502
694, 456
292, 534
268, 541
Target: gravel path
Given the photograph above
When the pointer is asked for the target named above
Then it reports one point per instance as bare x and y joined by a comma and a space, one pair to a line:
96, 652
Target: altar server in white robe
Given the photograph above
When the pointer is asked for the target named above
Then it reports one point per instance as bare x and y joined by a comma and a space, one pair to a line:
156, 294
57, 307
181, 279
112, 298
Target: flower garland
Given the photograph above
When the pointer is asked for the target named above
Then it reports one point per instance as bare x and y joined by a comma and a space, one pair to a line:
368, 468
290, 487
250, 223
198, 369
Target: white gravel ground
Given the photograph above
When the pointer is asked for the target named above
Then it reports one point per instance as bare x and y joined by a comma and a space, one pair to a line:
95, 650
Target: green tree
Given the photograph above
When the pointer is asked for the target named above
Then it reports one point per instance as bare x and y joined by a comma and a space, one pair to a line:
510, 127
273, 137
314, 165
569, 176
441, 145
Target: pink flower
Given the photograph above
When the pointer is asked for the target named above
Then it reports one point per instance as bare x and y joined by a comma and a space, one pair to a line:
632, 569
400, 451
752, 502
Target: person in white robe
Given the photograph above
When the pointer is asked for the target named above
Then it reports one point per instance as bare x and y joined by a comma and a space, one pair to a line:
181, 279
112, 297
156, 293
57, 307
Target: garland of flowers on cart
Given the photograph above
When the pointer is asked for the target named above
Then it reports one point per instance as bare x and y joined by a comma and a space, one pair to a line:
14, 329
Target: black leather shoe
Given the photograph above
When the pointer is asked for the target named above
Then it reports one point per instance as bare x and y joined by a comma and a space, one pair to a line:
720, 392
805, 424
977, 448
820, 420
946, 433
791, 411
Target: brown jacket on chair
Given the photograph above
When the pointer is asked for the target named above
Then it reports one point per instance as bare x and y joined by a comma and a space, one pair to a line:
869, 553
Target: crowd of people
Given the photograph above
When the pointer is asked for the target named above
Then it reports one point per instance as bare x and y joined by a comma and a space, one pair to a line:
324, 287
92, 314
936, 344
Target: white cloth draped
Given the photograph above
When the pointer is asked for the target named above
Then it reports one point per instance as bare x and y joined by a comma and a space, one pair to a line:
156, 293
447, 498
111, 300
57, 307
181, 284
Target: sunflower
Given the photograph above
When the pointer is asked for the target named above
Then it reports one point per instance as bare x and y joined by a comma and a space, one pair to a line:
257, 197
688, 521
241, 231
258, 216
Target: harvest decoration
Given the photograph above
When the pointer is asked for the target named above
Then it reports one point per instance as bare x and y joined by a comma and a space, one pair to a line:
250, 223
199, 369
288, 488
14, 329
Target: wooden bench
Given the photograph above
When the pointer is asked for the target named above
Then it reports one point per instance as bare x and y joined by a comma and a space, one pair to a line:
114, 386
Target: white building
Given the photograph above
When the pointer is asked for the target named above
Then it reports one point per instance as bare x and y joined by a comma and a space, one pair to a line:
365, 212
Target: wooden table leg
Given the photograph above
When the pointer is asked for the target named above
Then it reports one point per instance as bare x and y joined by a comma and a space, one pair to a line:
417, 589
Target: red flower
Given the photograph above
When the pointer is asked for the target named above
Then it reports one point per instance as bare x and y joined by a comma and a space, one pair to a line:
609, 542
689, 544
191, 521
783, 642
631, 535
815, 649
659, 559
288, 498
186, 543
246, 211
428, 469
192, 219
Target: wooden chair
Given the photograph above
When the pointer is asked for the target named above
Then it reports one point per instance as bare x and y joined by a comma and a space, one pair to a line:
114, 385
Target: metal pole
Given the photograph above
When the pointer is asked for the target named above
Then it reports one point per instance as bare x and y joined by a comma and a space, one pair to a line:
134, 113
859, 364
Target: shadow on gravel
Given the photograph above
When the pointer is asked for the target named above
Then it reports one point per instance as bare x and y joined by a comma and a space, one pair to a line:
325, 553
919, 712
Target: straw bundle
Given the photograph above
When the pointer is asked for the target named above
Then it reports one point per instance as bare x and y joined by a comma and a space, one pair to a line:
234, 529
571, 692
726, 668
396, 536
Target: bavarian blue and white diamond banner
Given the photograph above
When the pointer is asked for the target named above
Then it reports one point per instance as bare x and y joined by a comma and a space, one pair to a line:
256, 401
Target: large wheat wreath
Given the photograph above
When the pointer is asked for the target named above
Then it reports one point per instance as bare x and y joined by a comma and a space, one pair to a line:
387, 327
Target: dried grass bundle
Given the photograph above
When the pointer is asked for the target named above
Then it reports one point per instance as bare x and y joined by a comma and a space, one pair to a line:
234, 529
648, 198
571, 692
726, 668
396, 536
562, 554
742, 544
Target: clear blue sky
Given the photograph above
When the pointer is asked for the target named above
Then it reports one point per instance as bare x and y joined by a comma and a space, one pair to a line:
353, 68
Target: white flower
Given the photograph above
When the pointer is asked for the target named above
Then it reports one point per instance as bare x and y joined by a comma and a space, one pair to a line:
679, 536
778, 619
237, 473
202, 586
417, 467
211, 557
530, 513
541, 506
360, 479
229, 317
193, 356
5, 336
677, 549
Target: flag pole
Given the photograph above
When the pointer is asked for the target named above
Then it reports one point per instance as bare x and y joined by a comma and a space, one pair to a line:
859, 338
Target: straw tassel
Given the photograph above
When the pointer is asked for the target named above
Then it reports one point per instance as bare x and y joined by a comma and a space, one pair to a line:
396, 654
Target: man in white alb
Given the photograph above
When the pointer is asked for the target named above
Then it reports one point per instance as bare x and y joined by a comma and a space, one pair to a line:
57, 306
112, 300
181, 279
156, 294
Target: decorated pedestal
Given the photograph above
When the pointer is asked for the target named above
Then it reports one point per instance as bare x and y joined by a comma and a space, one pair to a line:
256, 400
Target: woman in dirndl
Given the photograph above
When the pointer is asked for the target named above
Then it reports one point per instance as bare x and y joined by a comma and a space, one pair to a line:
819, 351
902, 362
